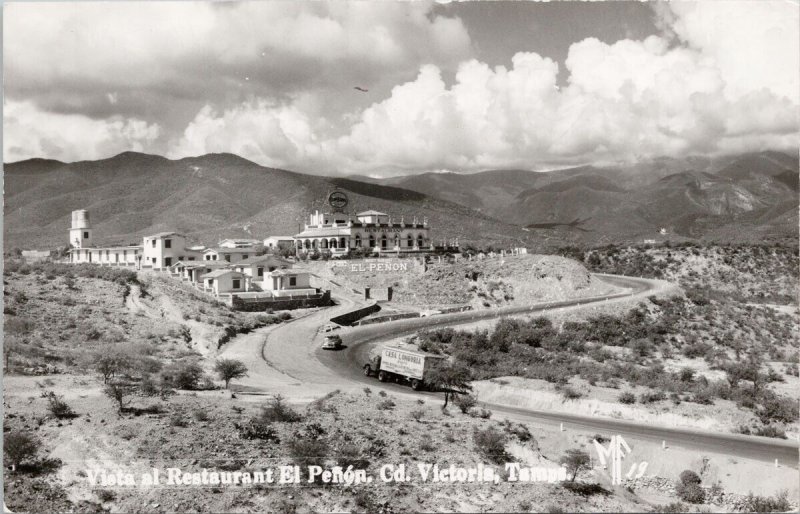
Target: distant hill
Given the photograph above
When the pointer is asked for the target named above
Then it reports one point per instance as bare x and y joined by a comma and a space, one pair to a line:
746, 197
208, 198
695, 197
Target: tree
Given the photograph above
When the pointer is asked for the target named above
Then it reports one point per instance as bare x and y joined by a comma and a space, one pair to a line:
228, 369
575, 461
450, 378
109, 363
118, 391
19, 446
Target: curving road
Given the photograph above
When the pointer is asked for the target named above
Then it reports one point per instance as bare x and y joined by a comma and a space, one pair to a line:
358, 341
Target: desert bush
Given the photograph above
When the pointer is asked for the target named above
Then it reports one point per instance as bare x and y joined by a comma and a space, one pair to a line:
178, 419
277, 410
351, 455
19, 447
257, 428
417, 414
691, 492
465, 402
777, 409
688, 476
770, 431
480, 413
570, 393
105, 495
491, 444
58, 407
307, 451
627, 398
518, 430
778, 503
200, 415
652, 396
387, 404
674, 507
183, 376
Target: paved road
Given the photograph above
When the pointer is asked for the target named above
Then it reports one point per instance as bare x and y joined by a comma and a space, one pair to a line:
358, 341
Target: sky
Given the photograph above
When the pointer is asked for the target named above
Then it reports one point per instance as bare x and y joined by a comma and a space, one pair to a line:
461, 86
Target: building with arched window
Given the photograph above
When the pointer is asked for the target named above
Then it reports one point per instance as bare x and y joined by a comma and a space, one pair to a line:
371, 231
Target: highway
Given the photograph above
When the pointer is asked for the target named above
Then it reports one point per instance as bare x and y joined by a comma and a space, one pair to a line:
348, 363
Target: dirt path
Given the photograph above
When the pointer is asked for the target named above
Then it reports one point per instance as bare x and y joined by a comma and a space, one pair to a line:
204, 337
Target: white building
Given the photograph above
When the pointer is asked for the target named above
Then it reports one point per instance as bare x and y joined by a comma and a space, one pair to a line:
238, 243
162, 250
373, 231
224, 281
231, 255
278, 242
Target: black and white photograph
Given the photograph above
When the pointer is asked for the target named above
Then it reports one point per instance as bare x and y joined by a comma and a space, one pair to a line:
323, 256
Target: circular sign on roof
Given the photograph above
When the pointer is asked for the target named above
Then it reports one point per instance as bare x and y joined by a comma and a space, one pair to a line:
337, 200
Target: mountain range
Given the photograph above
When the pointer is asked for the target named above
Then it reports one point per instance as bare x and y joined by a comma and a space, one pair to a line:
745, 197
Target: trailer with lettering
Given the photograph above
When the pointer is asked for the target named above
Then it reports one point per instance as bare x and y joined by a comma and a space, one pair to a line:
401, 365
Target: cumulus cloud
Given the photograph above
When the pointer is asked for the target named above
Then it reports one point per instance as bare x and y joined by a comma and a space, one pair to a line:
272, 81
28, 131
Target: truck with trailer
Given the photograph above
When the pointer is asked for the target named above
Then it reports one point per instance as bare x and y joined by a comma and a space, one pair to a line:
400, 365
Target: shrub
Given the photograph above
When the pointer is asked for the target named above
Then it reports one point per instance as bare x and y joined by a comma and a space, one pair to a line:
200, 415
770, 431
118, 391
518, 430
257, 428
674, 507
178, 419
352, 455
688, 476
691, 493
491, 444
105, 495
779, 503
570, 393
19, 447
417, 414
58, 407
183, 376
627, 398
652, 396
387, 404
465, 402
481, 413
307, 451
278, 411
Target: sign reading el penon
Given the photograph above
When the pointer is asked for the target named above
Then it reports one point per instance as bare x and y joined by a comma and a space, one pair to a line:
377, 265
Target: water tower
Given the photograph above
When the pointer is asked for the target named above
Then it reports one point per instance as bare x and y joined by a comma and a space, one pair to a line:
80, 233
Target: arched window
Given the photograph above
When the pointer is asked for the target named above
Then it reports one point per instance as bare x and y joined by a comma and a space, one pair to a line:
358, 240
307, 244
333, 243
371, 241
324, 243
342, 242
420, 241
314, 244
383, 241
410, 241
397, 240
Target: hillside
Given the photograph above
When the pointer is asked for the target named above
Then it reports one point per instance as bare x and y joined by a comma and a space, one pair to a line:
747, 197
750, 197
208, 198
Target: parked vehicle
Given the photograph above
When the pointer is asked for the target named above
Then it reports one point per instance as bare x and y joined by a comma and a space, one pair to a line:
332, 342
402, 366
330, 327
